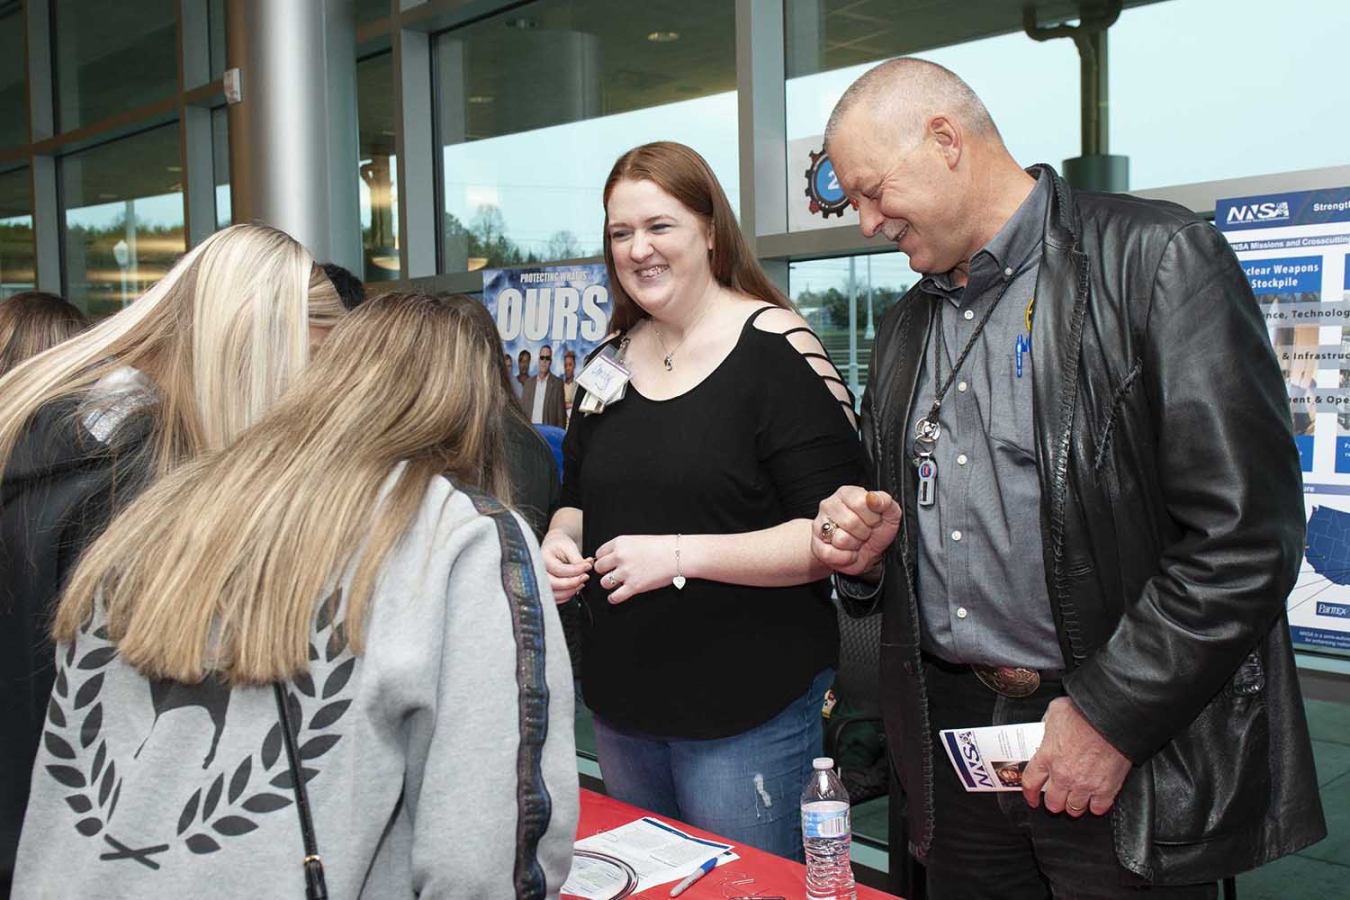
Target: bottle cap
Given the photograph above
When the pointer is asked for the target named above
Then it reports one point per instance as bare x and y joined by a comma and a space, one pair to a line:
822, 762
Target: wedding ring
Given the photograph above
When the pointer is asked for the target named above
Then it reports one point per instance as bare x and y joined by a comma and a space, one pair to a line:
1071, 808
610, 582
826, 529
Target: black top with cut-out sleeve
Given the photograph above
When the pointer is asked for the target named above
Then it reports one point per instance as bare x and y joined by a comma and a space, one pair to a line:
759, 442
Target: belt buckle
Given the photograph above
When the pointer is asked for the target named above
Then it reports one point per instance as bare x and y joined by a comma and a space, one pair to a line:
1016, 682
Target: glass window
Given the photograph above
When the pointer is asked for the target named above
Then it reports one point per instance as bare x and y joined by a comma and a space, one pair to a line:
1030, 88
1223, 124
215, 24
1210, 130
534, 105
379, 167
13, 78
17, 254
123, 218
112, 57
824, 290
368, 11
220, 164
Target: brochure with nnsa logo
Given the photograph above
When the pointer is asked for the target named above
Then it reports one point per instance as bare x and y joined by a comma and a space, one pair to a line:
992, 758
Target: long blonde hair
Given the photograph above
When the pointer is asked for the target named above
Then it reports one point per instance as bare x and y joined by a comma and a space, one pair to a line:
221, 566
221, 336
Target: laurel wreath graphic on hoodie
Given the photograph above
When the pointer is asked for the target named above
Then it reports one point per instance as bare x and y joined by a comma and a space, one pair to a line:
225, 806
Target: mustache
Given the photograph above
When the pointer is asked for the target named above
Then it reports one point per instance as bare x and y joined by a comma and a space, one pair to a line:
894, 234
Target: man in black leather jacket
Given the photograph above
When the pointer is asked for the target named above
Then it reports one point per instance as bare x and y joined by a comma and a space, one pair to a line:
1166, 509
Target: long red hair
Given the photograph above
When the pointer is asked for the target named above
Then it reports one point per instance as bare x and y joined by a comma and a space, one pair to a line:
683, 174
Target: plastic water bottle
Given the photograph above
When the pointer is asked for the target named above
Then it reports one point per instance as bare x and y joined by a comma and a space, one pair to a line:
826, 835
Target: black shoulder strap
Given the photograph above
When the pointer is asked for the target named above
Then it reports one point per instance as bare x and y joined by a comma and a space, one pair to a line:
757, 313
315, 886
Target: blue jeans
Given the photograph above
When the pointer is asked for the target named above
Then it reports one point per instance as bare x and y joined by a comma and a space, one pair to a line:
746, 787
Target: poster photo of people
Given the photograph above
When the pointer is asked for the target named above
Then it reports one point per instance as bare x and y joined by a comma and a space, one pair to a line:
550, 318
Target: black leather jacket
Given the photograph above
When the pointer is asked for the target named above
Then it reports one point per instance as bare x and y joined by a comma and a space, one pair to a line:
58, 492
1172, 516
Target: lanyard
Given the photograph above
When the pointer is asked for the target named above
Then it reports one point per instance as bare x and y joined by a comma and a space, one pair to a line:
926, 430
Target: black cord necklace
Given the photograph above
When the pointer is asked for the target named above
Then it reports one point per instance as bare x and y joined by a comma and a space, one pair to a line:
929, 421
927, 431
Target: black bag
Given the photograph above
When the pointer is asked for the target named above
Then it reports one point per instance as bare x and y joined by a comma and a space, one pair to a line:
856, 740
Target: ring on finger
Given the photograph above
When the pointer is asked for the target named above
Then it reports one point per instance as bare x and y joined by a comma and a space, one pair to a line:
1071, 808
610, 581
827, 528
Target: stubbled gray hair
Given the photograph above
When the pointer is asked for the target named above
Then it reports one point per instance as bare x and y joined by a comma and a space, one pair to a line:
906, 92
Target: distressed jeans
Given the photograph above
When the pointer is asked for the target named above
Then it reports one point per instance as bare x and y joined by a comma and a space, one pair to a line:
746, 788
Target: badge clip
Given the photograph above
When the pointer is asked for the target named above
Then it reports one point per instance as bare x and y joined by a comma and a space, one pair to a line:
605, 379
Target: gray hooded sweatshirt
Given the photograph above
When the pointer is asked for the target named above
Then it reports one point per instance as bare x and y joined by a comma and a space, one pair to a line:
439, 764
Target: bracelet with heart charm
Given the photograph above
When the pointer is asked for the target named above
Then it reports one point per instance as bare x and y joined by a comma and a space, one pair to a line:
678, 580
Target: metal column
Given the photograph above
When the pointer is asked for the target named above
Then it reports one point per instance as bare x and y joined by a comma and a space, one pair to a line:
293, 154
1096, 169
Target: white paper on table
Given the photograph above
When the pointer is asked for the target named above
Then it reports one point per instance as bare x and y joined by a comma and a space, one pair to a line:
992, 758
659, 853
594, 879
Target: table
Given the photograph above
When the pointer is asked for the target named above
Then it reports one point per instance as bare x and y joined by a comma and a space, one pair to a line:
769, 875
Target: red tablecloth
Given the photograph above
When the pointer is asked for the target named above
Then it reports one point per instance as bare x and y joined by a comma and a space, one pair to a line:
761, 874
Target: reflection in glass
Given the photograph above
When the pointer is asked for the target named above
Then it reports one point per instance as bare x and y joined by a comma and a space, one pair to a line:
123, 218
1032, 89
220, 164
17, 253
843, 298
112, 57
368, 11
13, 78
379, 167
534, 105
1218, 126
215, 24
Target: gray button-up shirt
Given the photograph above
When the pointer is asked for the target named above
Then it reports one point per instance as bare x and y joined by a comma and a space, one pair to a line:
981, 577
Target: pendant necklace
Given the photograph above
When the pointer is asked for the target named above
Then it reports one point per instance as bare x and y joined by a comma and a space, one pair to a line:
669, 360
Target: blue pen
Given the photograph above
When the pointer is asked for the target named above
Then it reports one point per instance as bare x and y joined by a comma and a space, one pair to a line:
695, 876
1021, 346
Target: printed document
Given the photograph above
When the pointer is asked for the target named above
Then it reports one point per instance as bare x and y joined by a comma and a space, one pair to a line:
992, 758
657, 852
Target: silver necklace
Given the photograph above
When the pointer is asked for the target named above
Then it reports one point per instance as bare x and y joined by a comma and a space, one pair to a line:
669, 360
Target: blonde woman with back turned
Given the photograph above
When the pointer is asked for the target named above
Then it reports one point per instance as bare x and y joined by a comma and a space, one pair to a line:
184, 369
339, 554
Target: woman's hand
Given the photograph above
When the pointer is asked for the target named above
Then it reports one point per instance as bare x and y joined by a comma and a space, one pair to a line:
568, 571
632, 564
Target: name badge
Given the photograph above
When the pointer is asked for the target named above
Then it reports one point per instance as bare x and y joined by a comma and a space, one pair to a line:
605, 379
